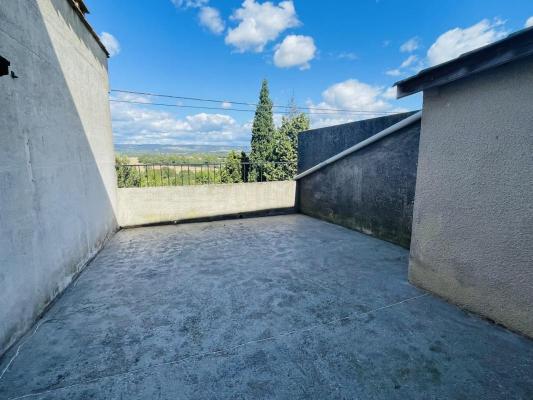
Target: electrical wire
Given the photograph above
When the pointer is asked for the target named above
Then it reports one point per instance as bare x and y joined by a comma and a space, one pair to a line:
242, 110
330, 111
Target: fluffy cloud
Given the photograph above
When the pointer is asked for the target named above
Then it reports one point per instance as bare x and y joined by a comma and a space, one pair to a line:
409, 61
260, 23
410, 46
529, 22
457, 41
390, 93
111, 43
210, 18
410, 64
142, 124
295, 51
351, 95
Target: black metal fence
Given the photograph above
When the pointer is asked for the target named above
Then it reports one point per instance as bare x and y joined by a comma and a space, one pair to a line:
152, 175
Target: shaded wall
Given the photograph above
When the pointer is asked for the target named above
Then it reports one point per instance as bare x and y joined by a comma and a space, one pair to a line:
317, 145
142, 206
473, 216
57, 179
371, 190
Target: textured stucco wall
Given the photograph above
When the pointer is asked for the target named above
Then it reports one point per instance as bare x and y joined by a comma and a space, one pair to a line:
317, 145
473, 215
57, 178
142, 206
371, 190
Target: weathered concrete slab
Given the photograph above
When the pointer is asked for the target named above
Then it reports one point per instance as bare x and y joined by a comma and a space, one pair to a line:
281, 307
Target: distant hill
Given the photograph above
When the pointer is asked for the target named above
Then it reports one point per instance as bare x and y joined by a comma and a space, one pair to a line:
132, 149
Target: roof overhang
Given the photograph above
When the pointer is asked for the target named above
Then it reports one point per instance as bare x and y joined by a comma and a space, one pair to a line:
81, 9
514, 47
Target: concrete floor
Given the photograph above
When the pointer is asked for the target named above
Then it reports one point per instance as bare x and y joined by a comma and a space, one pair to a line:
282, 307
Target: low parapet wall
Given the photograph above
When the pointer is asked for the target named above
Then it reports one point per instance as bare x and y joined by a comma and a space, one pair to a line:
154, 205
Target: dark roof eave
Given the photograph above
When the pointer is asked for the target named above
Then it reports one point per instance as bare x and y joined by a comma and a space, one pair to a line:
514, 47
80, 9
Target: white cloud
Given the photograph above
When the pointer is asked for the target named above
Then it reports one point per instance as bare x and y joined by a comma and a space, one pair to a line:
394, 72
226, 104
390, 93
189, 3
457, 41
260, 23
529, 22
295, 51
210, 18
142, 124
410, 46
409, 61
351, 95
110, 43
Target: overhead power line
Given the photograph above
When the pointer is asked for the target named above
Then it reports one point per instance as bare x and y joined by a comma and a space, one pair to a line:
330, 111
235, 109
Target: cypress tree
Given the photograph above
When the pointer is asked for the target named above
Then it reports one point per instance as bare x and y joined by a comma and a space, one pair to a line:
263, 131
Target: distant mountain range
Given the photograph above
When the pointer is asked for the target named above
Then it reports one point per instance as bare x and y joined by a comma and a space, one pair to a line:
175, 149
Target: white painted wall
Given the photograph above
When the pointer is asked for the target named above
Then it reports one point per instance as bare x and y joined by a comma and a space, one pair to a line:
472, 237
57, 177
141, 206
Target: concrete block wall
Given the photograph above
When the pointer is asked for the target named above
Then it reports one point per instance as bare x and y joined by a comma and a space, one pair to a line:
57, 178
473, 215
371, 190
142, 206
317, 145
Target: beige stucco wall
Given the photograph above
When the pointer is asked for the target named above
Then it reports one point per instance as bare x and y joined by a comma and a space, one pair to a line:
472, 237
141, 206
57, 177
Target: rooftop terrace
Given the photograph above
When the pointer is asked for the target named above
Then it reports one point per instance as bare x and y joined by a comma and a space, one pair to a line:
280, 307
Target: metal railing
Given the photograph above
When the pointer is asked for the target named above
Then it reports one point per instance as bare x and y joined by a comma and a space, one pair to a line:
174, 174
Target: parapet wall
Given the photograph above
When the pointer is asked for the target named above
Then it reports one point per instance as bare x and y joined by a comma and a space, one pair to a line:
317, 145
144, 206
372, 189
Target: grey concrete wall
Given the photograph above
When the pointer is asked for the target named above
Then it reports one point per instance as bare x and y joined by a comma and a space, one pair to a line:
371, 190
57, 178
142, 206
473, 215
317, 145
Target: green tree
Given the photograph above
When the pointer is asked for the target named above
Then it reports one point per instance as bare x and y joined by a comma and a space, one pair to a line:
285, 151
263, 131
232, 169
126, 176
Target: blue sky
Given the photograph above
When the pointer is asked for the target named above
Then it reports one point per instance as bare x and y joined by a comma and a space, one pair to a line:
328, 55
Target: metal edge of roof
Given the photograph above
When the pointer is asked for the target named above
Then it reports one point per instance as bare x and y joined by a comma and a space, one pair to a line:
463, 59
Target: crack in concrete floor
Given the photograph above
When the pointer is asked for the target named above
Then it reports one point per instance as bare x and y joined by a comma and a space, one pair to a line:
216, 352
